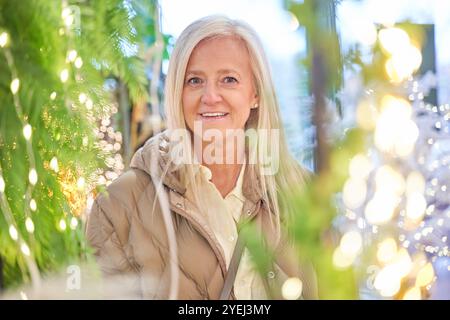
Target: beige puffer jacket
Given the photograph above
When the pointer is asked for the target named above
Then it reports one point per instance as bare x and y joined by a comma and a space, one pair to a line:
128, 234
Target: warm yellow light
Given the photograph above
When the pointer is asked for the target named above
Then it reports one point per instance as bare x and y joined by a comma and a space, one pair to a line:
340, 260
54, 164
292, 289
65, 12
415, 206
380, 209
360, 167
402, 263
68, 20
366, 115
13, 233
395, 132
64, 75
15, 84
32, 176
387, 250
73, 223
415, 183
27, 130
425, 275
29, 225
351, 243
89, 104
2, 185
78, 63
387, 281
354, 193
387, 179
72, 55
33, 205
25, 249
412, 294
3, 39
82, 97
81, 183
393, 40
403, 63
62, 224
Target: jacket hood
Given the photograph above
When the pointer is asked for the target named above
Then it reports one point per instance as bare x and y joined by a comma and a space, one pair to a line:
154, 159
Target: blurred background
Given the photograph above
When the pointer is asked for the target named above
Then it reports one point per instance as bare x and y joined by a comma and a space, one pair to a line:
364, 91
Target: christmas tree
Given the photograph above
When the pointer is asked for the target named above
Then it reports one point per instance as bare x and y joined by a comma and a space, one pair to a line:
61, 66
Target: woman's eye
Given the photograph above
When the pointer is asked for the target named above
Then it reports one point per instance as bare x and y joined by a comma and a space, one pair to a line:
230, 80
194, 80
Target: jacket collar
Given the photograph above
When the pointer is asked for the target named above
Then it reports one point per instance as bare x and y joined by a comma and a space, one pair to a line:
154, 156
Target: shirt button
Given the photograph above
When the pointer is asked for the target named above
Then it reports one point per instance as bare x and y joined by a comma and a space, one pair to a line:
248, 212
231, 238
271, 274
179, 205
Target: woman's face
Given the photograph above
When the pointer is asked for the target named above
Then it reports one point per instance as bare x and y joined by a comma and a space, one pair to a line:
218, 86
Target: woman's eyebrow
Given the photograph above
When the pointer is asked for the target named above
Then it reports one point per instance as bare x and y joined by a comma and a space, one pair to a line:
221, 71
196, 72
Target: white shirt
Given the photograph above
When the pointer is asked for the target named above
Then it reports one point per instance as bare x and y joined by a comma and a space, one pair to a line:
222, 216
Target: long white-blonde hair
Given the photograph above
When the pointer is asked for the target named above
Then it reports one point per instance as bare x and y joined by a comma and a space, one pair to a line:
289, 174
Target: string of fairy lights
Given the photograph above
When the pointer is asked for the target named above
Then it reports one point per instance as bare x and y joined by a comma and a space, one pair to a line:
78, 190
392, 193
30, 202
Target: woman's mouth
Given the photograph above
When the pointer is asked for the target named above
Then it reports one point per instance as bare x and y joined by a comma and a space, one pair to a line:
213, 115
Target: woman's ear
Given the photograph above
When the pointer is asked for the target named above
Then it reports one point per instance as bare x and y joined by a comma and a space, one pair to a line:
255, 103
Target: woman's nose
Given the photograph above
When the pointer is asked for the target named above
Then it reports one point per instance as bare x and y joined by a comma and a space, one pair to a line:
211, 94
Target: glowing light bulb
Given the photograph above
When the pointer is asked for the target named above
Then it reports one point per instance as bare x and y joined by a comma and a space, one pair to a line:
32, 176
292, 289
15, 84
82, 97
78, 63
393, 40
89, 104
81, 183
73, 223
415, 206
25, 249
64, 75
425, 275
412, 294
72, 55
33, 205
360, 167
2, 185
27, 130
415, 183
62, 224
354, 193
387, 250
351, 243
54, 164
13, 233
387, 281
3, 39
29, 225
341, 260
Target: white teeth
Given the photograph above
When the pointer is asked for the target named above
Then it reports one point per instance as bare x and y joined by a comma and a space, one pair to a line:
213, 114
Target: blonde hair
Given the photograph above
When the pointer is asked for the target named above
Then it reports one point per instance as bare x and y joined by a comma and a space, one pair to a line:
266, 116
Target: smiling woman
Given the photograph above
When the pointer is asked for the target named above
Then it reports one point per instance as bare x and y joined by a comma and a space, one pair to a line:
170, 225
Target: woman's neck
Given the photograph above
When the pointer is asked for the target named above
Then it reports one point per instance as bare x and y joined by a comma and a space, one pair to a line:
226, 172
